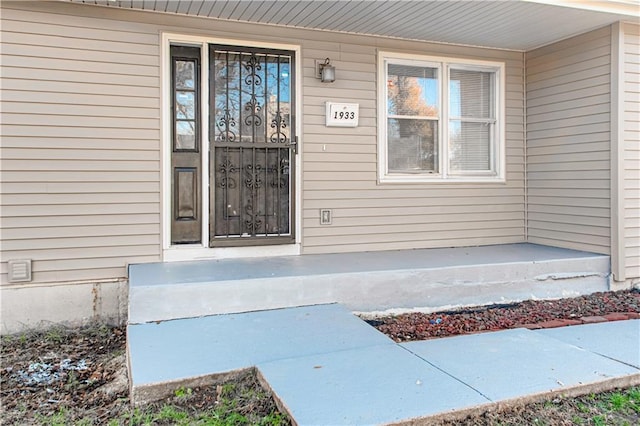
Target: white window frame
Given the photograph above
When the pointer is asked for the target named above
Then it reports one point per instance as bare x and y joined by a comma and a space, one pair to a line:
444, 175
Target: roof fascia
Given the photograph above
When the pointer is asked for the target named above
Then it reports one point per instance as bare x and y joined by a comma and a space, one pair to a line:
629, 8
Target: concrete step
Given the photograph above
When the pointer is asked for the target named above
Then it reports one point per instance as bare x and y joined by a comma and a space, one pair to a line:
375, 282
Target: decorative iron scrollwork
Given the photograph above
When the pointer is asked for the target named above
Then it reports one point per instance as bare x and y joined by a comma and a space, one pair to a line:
253, 223
224, 124
226, 168
279, 174
252, 151
253, 66
253, 180
254, 108
253, 79
279, 124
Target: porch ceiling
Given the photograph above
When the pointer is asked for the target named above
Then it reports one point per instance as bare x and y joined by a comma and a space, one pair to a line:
515, 25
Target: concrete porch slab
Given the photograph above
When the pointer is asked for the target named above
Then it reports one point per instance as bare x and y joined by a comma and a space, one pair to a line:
619, 340
427, 279
365, 386
154, 274
515, 363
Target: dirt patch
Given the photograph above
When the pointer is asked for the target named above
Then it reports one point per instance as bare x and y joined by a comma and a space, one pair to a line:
75, 370
78, 376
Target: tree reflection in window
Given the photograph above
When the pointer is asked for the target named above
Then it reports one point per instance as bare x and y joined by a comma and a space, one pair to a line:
412, 119
185, 105
251, 97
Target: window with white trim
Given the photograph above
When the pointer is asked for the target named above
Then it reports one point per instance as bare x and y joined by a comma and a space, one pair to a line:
440, 119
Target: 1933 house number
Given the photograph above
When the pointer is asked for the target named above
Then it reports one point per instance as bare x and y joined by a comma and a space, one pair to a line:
341, 114
344, 115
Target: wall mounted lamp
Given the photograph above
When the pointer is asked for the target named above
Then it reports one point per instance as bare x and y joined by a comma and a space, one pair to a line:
325, 71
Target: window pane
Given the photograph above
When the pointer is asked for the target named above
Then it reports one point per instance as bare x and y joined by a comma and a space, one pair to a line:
469, 146
278, 107
226, 86
185, 135
471, 94
185, 75
412, 90
412, 145
185, 105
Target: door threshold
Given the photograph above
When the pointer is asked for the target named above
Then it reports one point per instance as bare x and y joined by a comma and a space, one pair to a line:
191, 252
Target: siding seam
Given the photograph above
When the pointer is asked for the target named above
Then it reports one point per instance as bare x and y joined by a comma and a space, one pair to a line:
618, 270
525, 116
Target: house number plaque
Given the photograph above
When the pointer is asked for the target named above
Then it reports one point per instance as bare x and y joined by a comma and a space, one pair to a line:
342, 115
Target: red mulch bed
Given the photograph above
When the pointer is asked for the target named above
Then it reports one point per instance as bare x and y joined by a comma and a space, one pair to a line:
531, 313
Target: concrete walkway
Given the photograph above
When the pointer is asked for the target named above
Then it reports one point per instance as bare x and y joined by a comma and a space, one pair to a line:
328, 367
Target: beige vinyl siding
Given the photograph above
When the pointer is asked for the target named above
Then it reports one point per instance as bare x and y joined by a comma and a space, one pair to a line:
82, 183
631, 142
568, 143
80, 145
340, 165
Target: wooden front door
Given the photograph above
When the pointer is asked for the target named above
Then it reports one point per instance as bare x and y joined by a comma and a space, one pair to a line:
252, 146
186, 146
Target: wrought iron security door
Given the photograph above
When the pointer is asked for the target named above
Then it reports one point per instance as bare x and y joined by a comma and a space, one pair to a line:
252, 146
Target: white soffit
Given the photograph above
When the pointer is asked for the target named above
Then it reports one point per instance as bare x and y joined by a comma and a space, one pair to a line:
515, 25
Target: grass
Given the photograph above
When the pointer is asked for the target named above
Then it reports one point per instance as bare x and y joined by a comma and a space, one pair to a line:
626, 402
169, 415
619, 408
616, 408
234, 407
231, 409
235, 403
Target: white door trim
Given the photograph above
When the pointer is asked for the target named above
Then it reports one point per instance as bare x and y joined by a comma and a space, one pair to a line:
202, 251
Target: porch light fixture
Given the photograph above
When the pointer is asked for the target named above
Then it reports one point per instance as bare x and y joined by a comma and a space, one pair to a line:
325, 71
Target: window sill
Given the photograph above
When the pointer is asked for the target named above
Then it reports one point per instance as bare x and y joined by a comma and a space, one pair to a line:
412, 179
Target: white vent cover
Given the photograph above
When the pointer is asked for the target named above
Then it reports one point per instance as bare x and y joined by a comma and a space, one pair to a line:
19, 270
